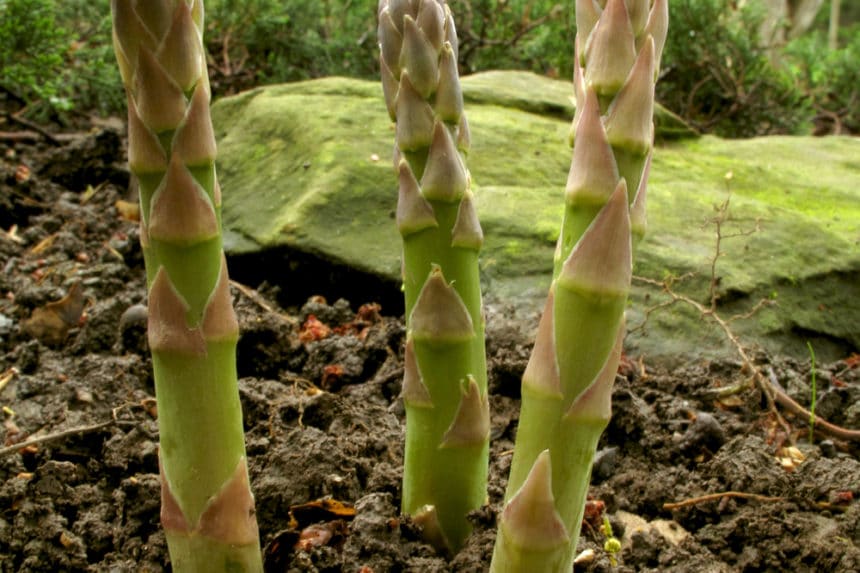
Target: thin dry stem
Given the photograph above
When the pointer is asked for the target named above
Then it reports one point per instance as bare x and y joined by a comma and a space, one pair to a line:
62, 434
772, 392
255, 297
716, 496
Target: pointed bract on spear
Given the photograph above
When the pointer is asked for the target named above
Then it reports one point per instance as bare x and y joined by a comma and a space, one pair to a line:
445, 382
567, 385
207, 509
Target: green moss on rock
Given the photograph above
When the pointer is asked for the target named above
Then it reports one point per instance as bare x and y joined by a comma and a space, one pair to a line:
307, 166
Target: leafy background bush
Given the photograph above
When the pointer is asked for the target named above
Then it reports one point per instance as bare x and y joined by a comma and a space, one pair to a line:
830, 78
57, 57
718, 74
254, 42
515, 34
32, 48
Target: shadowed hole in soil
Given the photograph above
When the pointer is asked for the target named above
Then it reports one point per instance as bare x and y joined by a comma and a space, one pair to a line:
842, 347
302, 275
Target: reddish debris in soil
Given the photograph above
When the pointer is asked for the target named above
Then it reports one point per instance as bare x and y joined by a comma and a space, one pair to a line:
313, 330
319, 534
331, 375
369, 313
367, 316
22, 174
593, 516
627, 366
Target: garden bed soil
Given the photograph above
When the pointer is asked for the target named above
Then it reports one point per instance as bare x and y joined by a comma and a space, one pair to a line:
320, 383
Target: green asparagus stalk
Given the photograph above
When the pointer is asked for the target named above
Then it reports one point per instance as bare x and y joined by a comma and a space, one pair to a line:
444, 387
207, 508
567, 385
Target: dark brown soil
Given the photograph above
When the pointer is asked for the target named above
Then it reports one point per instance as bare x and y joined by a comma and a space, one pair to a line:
324, 421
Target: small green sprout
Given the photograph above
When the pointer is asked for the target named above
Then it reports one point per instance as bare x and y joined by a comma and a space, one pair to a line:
814, 394
612, 545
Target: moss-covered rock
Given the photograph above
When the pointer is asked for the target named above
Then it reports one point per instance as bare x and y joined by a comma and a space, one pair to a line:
307, 166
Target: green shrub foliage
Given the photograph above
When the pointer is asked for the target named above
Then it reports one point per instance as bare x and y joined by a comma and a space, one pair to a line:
719, 78
32, 49
268, 41
57, 56
831, 78
515, 34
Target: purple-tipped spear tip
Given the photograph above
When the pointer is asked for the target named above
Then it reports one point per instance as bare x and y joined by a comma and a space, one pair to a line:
471, 424
445, 177
181, 51
593, 172
414, 213
601, 260
610, 50
541, 374
419, 58
630, 123
530, 518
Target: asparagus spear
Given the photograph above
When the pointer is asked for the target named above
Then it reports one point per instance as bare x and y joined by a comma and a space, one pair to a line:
444, 387
207, 508
567, 385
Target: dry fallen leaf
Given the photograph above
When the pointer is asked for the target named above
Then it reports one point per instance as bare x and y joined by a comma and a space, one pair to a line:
7, 376
65, 540
128, 210
730, 401
43, 245
790, 457
12, 234
51, 323
321, 510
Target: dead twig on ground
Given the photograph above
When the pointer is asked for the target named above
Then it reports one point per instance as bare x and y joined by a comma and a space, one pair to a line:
20, 136
33, 126
823, 426
719, 496
255, 297
80, 430
770, 389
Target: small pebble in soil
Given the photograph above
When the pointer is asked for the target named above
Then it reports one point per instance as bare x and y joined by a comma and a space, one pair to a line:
5, 325
83, 396
132, 328
828, 448
605, 461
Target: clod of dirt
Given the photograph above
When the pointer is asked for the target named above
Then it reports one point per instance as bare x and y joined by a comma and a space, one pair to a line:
745, 464
705, 433
338, 313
